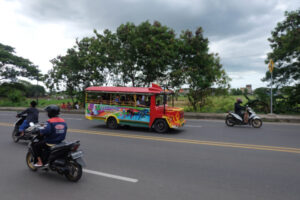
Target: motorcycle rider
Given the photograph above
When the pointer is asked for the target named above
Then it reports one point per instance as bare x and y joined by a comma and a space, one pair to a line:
238, 109
32, 116
54, 133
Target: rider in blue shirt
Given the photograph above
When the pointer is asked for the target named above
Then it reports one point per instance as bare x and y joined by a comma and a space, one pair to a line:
54, 133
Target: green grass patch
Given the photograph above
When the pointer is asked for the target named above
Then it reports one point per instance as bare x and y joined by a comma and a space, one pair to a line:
214, 104
42, 102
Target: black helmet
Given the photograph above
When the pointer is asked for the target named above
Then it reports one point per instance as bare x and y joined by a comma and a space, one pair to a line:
239, 100
52, 110
33, 103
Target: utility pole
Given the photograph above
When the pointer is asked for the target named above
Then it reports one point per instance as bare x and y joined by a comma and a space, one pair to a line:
271, 67
37, 89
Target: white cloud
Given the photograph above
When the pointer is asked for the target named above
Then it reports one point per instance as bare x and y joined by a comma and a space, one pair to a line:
241, 79
237, 29
38, 42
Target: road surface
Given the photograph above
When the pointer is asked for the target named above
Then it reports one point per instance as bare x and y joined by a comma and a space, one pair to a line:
203, 160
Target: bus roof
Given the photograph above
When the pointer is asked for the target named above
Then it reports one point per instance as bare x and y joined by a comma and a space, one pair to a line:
155, 89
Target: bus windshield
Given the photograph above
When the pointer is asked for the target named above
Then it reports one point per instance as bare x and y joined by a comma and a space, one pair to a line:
164, 99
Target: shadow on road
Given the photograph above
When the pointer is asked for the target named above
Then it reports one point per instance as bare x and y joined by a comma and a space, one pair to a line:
138, 129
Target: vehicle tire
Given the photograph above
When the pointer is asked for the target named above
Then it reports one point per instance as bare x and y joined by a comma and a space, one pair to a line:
15, 135
161, 126
74, 171
30, 161
229, 120
256, 123
112, 123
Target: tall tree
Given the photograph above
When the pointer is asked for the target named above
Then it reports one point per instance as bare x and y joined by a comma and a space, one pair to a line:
156, 51
201, 69
285, 44
141, 54
79, 68
13, 66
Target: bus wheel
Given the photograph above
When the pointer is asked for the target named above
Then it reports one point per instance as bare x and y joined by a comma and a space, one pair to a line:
112, 123
161, 126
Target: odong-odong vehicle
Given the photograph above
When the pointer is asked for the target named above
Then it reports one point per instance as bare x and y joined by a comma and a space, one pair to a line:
64, 158
134, 106
234, 119
27, 133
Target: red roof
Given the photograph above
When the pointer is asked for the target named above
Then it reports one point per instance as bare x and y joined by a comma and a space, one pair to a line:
155, 89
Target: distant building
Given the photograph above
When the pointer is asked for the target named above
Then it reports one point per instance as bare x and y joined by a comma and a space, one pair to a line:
249, 89
183, 91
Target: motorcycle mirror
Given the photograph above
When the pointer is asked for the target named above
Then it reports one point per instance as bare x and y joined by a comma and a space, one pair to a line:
31, 124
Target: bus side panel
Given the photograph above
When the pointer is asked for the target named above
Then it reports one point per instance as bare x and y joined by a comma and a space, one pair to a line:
124, 114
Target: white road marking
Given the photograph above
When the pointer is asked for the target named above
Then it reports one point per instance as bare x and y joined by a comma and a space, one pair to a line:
72, 118
122, 178
198, 126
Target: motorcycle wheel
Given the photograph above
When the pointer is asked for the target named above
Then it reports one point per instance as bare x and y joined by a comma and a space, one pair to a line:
14, 135
74, 171
229, 121
30, 161
256, 123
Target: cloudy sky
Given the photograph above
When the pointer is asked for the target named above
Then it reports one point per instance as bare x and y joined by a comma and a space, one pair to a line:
237, 29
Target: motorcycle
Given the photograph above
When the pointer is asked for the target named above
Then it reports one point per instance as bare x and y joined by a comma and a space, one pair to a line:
64, 158
234, 119
16, 133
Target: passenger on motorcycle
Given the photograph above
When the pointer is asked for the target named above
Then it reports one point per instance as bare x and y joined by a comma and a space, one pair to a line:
238, 109
54, 133
32, 116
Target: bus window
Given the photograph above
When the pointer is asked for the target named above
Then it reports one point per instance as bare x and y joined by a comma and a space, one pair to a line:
159, 99
143, 101
115, 99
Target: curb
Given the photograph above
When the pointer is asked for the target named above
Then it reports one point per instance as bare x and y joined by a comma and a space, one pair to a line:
189, 115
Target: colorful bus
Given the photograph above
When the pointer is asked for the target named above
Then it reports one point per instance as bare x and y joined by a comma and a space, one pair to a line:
133, 106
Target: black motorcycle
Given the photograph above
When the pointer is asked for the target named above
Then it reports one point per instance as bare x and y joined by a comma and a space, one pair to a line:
16, 133
64, 158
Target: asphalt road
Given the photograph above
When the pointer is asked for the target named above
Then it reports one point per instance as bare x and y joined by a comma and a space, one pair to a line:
203, 160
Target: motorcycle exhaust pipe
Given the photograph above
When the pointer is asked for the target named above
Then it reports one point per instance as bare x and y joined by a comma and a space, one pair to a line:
59, 163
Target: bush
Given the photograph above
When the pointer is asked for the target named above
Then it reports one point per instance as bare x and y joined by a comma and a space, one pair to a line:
15, 96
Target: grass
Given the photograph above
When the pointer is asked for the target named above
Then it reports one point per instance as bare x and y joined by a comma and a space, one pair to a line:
42, 102
214, 104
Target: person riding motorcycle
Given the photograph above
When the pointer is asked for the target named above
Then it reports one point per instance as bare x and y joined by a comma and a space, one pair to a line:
238, 109
32, 116
54, 133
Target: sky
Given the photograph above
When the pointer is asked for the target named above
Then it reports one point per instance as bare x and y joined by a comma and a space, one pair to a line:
238, 30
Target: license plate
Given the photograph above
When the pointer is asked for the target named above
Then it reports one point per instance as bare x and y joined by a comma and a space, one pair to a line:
77, 154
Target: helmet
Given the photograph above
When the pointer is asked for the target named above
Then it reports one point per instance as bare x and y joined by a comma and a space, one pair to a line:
52, 110
33, 103
239, 100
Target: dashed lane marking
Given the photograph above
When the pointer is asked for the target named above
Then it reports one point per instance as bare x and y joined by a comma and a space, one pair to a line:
113, 176
193, 126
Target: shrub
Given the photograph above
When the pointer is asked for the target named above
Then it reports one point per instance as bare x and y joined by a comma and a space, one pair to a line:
15, 96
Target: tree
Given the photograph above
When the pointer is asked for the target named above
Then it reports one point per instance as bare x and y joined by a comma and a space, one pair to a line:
236, 91
32, 90
12, 66
139, 54
79, 68
8, 87
201, 70
156, 52
285, 44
